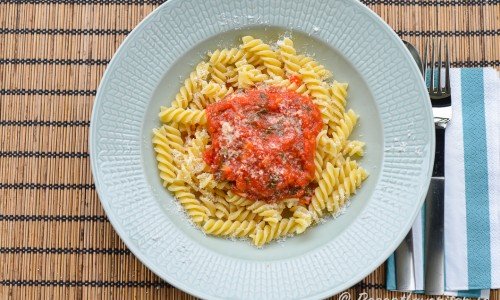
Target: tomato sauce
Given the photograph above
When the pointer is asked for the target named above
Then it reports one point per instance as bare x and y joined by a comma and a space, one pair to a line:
263, 141
295, 79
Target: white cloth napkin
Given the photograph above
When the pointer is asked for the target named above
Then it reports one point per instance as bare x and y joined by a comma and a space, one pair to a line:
472, 190
472, 182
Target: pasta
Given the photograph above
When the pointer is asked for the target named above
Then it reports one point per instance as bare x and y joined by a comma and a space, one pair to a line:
164, 156
248, 75
191, 86
265, 53
264, 233
183, 116
226, 56
289, 56
229, 228
270, 213
182, 141
195, 209
303, 218
329, 179
317, 68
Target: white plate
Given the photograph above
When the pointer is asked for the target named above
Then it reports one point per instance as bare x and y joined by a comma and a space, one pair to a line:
386, 90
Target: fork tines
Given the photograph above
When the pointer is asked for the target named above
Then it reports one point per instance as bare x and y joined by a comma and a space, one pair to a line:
436, 89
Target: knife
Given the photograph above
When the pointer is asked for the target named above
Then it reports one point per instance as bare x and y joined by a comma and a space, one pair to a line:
404, 260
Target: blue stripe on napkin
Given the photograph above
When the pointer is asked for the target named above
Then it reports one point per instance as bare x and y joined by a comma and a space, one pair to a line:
476, 188
391, 274
469, 293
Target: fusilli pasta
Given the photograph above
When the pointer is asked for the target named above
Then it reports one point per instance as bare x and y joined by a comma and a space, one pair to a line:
265, 53
289, 56
191, 86
181, 141
183, 116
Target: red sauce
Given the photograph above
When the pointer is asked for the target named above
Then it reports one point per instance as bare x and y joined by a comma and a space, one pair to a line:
263, 141
295, 79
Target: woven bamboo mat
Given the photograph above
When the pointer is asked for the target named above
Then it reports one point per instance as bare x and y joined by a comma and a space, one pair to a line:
55, 240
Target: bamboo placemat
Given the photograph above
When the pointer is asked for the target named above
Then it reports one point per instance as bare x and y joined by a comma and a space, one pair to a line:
55, 240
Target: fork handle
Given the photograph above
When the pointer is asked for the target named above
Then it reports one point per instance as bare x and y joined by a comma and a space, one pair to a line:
438, 170
434, 221
405, 269
434, 238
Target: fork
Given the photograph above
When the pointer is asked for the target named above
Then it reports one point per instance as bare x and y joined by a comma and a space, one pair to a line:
434, 227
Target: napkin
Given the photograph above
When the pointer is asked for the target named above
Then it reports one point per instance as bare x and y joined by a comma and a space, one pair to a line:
472, 190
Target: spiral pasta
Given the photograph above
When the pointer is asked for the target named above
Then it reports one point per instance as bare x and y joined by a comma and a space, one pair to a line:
248, 75
226, 56
329, 179
303, 218
286, 83
183, 116
319, 92
270, 213
319, 160
194, 208
164, 157
314, 84
264, 233
173, 138
229, 228
222, 210
181, 141
349, 182
215, 92
338, 94
352, 148
191, 86
265, 53
237, 199
218, 73
240, 213
314, 65
289, 56
341, 132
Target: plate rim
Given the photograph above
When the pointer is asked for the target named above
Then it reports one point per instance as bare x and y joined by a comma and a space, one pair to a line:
172, 280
